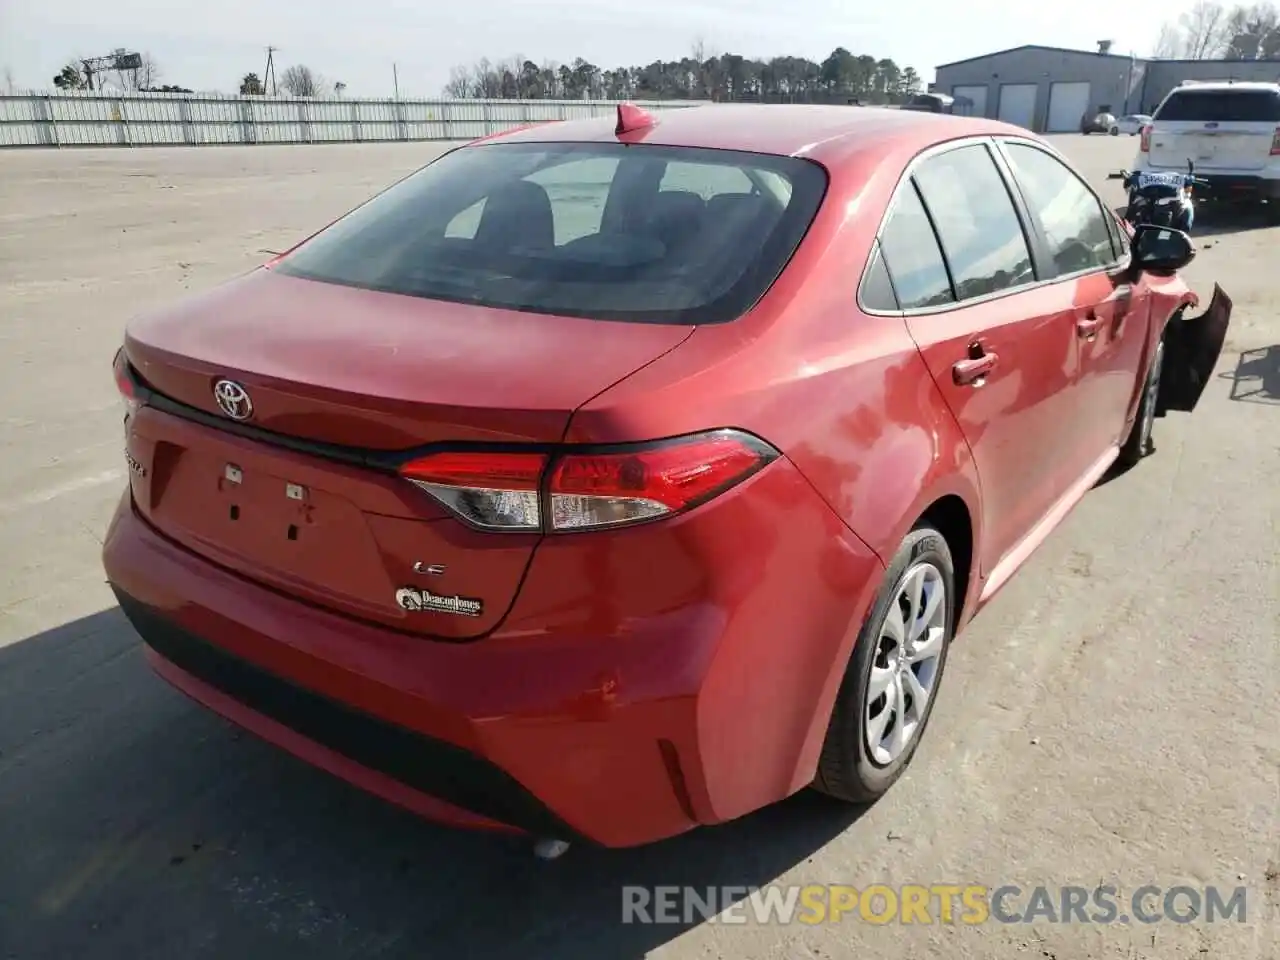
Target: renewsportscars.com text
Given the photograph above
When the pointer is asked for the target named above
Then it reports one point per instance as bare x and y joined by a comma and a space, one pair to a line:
944, 904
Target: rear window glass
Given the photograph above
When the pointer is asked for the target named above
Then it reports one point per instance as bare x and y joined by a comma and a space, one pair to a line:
607, 231
1250, 106
977, 224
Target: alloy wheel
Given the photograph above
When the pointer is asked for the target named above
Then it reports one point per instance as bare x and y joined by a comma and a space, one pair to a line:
904, 671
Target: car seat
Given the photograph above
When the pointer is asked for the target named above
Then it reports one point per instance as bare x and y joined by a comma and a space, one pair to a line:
517, 216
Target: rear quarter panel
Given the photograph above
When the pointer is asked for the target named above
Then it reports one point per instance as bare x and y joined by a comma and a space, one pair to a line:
848, 400
846, 396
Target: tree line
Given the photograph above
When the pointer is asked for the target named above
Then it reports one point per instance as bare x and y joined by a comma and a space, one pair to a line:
843, 77
298, 80
1212, 31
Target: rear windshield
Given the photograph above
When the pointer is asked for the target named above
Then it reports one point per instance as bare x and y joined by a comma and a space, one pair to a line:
601, 230
1252, 106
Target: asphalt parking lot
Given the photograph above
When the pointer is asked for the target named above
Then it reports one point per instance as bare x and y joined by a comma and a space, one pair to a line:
1111, 718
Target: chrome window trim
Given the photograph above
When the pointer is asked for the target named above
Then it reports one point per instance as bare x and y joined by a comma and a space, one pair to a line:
1102, 207
995, 143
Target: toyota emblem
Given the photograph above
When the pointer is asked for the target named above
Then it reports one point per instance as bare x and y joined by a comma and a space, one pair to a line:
233, 399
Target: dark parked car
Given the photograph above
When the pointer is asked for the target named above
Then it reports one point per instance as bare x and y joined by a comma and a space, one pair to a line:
931, 103
603, 480
1100, 122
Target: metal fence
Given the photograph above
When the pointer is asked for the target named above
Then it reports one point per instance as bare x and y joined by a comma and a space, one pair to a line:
96, 119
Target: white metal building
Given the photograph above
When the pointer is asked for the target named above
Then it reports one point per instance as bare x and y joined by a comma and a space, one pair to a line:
1051, 89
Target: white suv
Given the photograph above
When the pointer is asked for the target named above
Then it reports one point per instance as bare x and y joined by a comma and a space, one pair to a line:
1229, 130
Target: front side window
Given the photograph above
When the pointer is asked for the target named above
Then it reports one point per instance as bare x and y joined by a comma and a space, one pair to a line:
1069, 213
599, 230
976, 222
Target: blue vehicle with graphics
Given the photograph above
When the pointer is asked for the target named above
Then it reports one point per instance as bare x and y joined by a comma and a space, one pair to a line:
1161, 198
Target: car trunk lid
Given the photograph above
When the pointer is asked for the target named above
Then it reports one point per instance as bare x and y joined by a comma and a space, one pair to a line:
380, 371
303, 495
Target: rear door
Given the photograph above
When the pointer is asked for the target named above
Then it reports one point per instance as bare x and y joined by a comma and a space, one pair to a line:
1088, 258
1000, 346
1222, 131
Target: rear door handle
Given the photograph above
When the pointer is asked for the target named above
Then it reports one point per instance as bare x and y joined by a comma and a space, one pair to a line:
1087, 327
973, 372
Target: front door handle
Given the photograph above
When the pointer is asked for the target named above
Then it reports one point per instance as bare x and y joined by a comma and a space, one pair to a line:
973, 372
1087, 327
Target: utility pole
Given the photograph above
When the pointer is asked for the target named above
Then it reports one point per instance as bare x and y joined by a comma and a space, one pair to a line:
270, 71
1128, 84
395, 78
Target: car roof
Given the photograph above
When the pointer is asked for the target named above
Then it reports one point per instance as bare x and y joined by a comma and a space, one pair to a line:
824, 133
1222, 86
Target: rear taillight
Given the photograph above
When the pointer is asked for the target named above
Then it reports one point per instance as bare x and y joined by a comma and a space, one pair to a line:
495, 491
1275, 143
1144, 139
125, 383
605, 487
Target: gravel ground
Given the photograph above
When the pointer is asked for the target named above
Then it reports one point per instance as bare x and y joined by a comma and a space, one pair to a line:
1110, 718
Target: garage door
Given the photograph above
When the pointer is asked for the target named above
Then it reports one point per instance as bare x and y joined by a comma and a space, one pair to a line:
977, 97
1067, 104
1018, 103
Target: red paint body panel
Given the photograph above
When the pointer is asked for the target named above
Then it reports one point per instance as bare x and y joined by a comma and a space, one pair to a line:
378, 525
308, 750
340, 365
1108, 390
716, 632
631, 682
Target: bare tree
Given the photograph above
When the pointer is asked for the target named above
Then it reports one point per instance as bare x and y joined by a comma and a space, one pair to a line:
1253, 32
9, 86
301, 81
144, 77
1204, 30
148, 75
459, 85
1169, 43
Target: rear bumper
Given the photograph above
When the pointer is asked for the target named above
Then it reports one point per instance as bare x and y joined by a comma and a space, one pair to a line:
696, 715
1226, 186
467, 789
1229, 185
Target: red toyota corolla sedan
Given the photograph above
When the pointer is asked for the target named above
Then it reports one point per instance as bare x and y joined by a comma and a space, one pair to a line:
602, 480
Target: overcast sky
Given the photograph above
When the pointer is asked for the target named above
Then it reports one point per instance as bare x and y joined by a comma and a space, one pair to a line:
209, 46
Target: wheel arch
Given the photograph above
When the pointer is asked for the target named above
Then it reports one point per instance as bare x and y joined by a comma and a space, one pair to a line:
950, 516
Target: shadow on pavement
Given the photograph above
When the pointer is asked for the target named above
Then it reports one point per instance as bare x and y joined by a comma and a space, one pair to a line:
1256, 378
1219, 219
135, 824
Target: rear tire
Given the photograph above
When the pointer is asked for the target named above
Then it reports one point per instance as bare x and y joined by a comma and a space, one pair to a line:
1115, 131
1139, 444
852, 767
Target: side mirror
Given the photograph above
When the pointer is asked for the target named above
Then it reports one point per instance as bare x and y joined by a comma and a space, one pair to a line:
1160, 250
